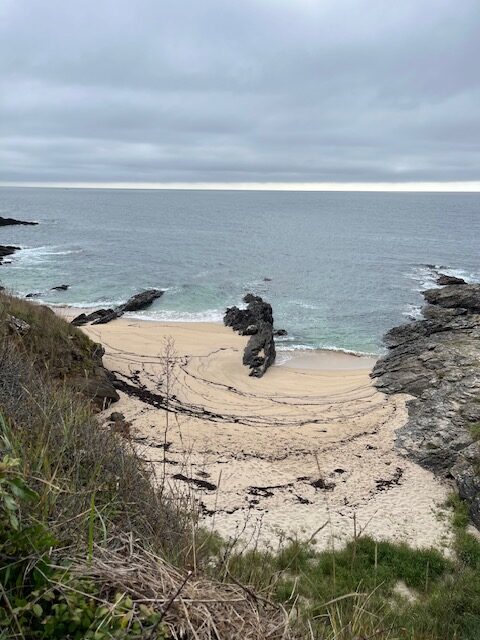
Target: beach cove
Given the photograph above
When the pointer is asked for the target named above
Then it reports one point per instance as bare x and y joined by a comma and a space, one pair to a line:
307, 451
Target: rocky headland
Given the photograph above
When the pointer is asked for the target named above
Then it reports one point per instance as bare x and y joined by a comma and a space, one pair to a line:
437, 361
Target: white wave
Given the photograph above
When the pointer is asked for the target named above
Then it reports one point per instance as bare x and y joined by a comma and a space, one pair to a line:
104, 304
36, 255
309, 347
413, 312
426, 275
305, 305
169, 315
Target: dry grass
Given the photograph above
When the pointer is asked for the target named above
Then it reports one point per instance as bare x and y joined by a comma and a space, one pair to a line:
192, 607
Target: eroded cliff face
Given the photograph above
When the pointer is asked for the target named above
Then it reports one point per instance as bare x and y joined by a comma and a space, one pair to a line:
437, 361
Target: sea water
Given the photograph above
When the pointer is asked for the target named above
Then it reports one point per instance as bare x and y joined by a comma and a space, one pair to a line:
338, 268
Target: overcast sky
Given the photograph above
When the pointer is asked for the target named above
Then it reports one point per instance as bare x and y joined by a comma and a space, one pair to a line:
239, 90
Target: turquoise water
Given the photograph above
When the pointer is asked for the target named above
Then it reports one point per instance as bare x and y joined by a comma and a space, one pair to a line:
344, 267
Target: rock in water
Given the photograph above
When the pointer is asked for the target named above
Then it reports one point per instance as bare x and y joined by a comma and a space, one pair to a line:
135, 303
443, 279
437, 361
141, 300
6, 222
60, 287
7, 250
257, 322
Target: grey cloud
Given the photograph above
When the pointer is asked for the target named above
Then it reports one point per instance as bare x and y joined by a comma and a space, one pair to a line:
258, 90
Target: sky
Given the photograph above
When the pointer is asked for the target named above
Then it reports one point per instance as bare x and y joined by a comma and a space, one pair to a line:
246, 92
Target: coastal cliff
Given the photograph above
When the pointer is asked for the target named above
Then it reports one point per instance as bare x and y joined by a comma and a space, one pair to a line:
437, 361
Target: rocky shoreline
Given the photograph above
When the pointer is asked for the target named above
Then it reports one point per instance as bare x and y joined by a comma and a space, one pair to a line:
9, 250
437, 361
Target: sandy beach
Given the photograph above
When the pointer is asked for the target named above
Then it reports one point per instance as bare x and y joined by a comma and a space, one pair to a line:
306, 451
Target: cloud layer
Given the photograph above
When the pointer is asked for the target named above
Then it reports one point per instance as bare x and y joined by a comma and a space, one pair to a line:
226, 91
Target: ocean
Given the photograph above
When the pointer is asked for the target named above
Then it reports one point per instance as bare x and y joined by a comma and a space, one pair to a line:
339, 269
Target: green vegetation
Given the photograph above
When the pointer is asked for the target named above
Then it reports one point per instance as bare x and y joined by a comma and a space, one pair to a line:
374, 589
475, 430
51, 344
90, 549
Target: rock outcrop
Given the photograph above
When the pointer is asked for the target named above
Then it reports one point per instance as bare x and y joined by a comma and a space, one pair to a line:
6, 222
137, 302
7, 250
255, 321
443, 280
99, 384
437, 361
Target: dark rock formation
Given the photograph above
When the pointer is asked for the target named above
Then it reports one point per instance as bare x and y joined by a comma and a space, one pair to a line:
99, 384
257, 322
98, 387
141, 300
60, 287
7, 250
6, 222
135, 303
454, 297
280, 332
437, 361
443, 280
83, 318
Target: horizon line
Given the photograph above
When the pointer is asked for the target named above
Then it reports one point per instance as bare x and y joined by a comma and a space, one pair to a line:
470, 186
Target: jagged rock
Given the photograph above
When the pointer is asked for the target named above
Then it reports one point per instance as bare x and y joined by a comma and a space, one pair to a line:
238, 319
102, 316
141, 300
120, 424
5, 222
36, 294
83, 318
259, 354
437, 361
280, 332
443, 279
451, 297
116, 416
135, 303
60, 287
17, 325
7, 250
251, 330
260, 351
98, 387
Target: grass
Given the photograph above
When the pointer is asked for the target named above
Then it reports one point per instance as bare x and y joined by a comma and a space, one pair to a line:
51, 344
371, 588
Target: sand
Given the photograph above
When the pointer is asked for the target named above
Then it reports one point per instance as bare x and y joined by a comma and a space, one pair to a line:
307, 451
